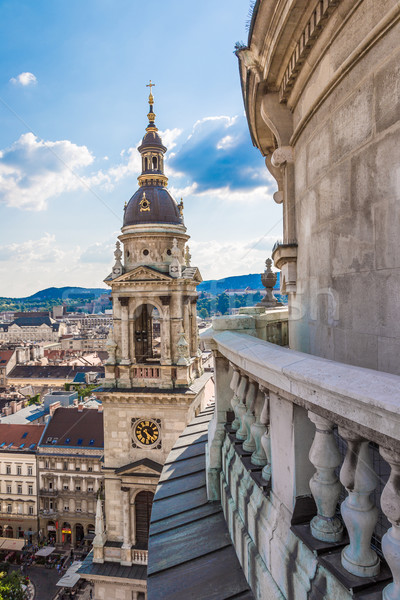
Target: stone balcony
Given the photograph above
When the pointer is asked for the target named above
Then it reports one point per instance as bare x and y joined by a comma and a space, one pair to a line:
303, 454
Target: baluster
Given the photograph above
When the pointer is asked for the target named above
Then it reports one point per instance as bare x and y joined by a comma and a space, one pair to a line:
240, 408
324, 484
358, 510
259, 427
266, 440
390, 503
234, 384
248, 418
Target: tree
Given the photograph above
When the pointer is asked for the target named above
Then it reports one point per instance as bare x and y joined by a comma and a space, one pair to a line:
223, 304
11, 586
203, 313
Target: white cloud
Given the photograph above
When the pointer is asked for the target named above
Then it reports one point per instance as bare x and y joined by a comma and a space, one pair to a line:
169, 137
42, 250
218, 259
24, 79
34, 170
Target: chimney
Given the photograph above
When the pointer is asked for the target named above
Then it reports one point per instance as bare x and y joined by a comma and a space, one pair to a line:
53, 407
80, 407
100, 408
13, 405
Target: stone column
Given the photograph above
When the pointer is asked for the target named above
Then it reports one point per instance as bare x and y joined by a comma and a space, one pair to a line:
216, 427
124, 302
176, 323
165, 332
325, 486
358, 510
186, 323
390, 503
132, 512
259, 428
195, 329
126, 558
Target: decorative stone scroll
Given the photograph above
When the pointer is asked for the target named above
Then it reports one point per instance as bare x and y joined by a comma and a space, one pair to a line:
358, 510
324, 484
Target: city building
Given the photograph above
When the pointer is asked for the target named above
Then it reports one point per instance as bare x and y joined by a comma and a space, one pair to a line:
303, 447
32, 327
154, 380
70, 455
18, 481
8, 359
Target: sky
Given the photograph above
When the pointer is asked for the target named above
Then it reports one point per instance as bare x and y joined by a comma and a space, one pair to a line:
73, 106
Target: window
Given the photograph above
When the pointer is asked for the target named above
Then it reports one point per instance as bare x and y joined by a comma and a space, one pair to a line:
30, 490
65, 466
77, 488
19, 470
50, 485
9, 508
66, 508
30, 510
46, 464
65, 486
29, 470
8, 488
8, 469
77, 468
90, 488
19, 489
90, 469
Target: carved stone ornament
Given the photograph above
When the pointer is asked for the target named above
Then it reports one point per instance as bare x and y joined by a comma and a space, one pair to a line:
111, 347
175, 268
282, 156
117, 269
183, 350
268, 279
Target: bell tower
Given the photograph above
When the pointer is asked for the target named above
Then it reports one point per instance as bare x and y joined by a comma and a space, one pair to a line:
154, 380
154, 287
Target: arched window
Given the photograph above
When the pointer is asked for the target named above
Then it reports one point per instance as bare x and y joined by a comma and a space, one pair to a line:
154, 163
9, 532
147, 334
143, 504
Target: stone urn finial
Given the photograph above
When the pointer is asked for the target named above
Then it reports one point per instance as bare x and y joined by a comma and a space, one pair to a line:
268, 279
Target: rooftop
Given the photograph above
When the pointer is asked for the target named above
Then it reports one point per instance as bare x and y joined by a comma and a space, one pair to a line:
74, 427
190, 551
19, 437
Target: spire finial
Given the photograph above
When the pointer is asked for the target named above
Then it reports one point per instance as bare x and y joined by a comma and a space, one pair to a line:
150, 85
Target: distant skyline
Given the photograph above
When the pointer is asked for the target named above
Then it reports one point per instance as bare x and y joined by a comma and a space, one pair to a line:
73, 105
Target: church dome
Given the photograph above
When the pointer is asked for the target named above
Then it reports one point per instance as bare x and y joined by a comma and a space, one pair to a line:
152, 204
151, 140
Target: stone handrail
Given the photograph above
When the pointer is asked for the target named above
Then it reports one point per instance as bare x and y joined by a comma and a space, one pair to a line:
369, 398
290, 411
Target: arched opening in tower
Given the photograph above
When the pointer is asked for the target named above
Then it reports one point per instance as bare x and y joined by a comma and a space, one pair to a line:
147, 334
143, 504
154, 163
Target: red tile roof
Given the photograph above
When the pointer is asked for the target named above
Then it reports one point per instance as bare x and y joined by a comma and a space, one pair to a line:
5, 356
22, 437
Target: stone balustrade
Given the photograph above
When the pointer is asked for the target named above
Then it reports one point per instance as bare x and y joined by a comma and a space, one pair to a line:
304, 455
139, 557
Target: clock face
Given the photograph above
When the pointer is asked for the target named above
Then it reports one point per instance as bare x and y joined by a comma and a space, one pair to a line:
146, 432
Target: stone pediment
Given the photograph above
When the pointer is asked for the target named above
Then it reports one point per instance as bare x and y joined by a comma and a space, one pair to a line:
142, 273
141, 467
192, 273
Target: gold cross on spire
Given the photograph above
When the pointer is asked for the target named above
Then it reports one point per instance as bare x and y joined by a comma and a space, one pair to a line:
150, 85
